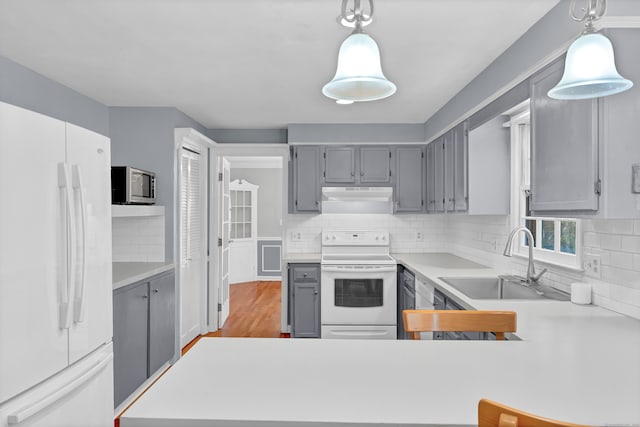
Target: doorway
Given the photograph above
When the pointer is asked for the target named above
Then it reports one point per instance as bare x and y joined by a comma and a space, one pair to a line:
252, 195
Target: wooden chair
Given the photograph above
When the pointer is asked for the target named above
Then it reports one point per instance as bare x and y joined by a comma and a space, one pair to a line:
498, 322
494, 414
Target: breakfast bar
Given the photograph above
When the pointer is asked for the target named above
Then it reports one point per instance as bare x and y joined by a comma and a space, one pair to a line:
555, 368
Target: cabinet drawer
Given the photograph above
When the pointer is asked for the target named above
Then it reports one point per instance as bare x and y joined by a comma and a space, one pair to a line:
306, 274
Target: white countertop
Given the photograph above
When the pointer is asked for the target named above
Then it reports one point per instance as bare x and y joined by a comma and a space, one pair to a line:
574, 363
302, 257
126, 273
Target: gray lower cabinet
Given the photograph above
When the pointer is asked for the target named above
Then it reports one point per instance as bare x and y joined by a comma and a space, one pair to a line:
409, 179
130, 326
304, 300
143, 331
406, 298
564, 148
162, 326
306, 181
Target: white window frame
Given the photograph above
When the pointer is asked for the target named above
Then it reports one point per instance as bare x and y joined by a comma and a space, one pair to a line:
519, 123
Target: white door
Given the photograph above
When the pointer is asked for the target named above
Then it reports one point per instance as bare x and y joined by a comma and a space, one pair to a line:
33, 250
223, 232
89, 158
192, 244
243, 250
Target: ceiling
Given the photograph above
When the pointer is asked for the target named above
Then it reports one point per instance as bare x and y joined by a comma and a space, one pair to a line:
258, 63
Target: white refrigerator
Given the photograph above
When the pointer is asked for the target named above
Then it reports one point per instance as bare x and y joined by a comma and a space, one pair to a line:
56, 355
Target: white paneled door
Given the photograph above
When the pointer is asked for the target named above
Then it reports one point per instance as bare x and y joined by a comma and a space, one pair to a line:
223, 231
193, 202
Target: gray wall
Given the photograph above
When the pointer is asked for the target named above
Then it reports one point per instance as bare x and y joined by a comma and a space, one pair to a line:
379, 132
543, 39
28, 89
269, 197
248, 136
144, 137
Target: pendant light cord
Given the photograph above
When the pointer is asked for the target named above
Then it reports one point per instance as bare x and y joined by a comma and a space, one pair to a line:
357, 14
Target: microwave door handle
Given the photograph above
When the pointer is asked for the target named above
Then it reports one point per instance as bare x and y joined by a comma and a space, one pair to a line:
80, 283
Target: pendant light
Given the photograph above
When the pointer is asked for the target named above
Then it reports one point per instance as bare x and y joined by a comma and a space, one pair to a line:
590, 70
359, 73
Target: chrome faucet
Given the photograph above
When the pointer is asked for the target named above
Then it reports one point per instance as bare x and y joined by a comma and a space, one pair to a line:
532, 277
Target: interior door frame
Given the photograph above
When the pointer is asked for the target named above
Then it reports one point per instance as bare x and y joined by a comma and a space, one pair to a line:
243, 150
193, 140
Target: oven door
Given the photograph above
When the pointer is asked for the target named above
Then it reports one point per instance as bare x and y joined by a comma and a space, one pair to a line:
358, 295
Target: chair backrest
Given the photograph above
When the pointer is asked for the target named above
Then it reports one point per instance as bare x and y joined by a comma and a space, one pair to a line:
498, 322
494, 414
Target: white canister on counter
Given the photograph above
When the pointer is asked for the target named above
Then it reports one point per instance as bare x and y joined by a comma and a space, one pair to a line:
581, 293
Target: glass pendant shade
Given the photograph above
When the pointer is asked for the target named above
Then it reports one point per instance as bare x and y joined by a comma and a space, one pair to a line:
590, 70
359, 74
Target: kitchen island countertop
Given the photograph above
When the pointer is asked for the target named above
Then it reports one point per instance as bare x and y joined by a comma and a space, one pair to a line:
574, 363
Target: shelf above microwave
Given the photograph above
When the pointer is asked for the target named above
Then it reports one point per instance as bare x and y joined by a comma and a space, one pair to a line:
121, 211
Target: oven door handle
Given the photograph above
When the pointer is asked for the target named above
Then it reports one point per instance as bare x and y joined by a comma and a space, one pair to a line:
372, 269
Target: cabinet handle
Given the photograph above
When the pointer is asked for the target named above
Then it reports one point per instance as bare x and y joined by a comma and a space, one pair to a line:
304, 274
155, 291
145, 296
353, 174
361, 173
315, 292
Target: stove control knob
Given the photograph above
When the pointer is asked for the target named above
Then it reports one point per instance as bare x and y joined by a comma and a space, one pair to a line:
333, 238
384, 238
377, 237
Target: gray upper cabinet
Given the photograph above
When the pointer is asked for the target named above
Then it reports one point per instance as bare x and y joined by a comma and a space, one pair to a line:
375, 165
564, 148
460, 166
455, 169
306, 183
161, 320
339, 165
430, 178
438, 172
409, 179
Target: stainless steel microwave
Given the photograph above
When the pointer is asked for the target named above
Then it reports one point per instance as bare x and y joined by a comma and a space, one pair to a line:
131, 186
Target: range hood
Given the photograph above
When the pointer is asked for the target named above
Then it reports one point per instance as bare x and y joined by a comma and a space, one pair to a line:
357, 200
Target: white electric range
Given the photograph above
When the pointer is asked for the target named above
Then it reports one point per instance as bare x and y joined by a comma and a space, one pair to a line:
358, 285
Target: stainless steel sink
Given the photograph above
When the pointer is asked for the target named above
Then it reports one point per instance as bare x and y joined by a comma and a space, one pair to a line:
503, 287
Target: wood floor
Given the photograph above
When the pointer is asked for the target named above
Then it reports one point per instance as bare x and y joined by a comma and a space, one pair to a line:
254, 312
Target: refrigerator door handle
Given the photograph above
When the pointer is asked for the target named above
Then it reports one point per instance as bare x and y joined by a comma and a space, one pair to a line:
78, 302
40, 405
64, 183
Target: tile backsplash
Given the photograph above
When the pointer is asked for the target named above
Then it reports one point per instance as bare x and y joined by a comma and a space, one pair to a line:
617, 242
483, 238
408, 233
138, 239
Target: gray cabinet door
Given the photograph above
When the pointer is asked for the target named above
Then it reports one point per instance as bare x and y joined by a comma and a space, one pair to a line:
409, 179
439, 175
304, 300
375, 165
460, 167
340, 165
449, 171
306, 312
430, 178
306, 168
162, 322
130, 314
564, 148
